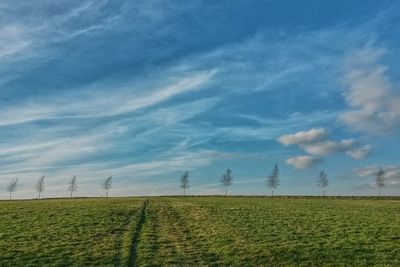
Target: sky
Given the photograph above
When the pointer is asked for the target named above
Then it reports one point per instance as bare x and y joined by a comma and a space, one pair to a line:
145, 90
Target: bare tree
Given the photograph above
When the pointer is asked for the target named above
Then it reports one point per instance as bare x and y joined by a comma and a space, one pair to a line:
12, 187
323, 181
107, 184
227, 180
185, 182
40, 186
73, 185
380, 180
273, 179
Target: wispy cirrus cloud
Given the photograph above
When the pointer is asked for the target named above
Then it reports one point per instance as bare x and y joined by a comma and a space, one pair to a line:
55, 146
85, 89
91, 104
13, 39
392, 173
373, 101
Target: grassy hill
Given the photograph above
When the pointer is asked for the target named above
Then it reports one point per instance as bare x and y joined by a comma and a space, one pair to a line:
238, 231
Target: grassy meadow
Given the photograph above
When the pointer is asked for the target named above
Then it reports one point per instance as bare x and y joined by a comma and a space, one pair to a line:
207, 231
71, 232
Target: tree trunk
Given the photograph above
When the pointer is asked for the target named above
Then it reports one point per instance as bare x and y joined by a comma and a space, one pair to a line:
71, 193
106, 193
10, 195
272, 192
226, 191
184, 192
39, 194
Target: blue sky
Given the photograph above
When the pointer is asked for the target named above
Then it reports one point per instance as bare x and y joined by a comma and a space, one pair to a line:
145, 90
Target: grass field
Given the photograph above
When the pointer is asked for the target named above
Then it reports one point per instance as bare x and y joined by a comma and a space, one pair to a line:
81, 232
193, 231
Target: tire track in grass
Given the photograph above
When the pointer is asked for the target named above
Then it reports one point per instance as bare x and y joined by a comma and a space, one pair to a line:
162, 242
149, 240
191, 252
119, 243
132, 258
198, 245
163, 238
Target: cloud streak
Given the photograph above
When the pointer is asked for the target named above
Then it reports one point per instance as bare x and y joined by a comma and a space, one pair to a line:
89, 106
85, 89
373, 101
392, 173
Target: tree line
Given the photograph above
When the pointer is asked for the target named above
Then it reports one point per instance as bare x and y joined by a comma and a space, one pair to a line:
72, 186
272, 181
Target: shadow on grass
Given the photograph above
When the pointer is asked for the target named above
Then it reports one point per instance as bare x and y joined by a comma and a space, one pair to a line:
135, 238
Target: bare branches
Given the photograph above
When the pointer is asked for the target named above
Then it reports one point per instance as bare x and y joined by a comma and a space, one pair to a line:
273, 179
185, 182
73, 185
380, 180
107, 184
40, 186
323, 181
12, 187
227, 180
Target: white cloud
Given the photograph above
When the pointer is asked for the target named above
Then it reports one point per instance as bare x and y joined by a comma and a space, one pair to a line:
327, 147
302, 162
315, 142
310, 136
372, 100
360, 153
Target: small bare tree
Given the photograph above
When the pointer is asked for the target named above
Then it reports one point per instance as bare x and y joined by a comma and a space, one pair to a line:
273, 179
323, 181
185, 182
380, 180
40, 186
107, 184
227, 180
12, 187
73, 185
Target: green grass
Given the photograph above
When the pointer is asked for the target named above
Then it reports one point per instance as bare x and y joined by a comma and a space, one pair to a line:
193, 231
78, 232
265, 231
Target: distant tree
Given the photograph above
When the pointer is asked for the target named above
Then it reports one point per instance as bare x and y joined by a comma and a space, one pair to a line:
73, 185
107, 184
323, 181
227, 180
12, 187
40, 186
380, 180
185, 182
273, 179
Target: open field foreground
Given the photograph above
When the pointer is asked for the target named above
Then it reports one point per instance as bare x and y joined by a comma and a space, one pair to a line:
192, 231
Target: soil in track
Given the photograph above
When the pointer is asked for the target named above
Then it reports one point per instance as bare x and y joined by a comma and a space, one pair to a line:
165, 239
